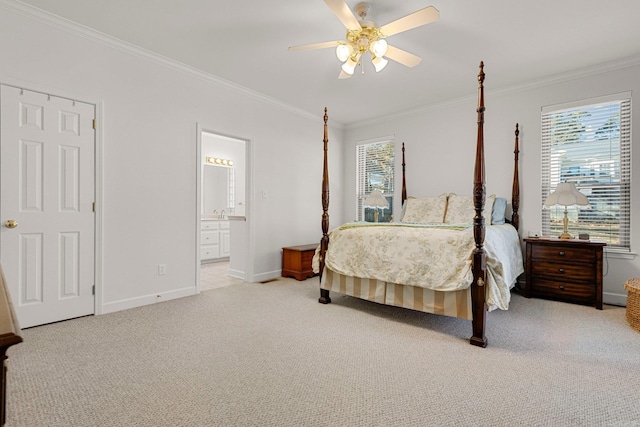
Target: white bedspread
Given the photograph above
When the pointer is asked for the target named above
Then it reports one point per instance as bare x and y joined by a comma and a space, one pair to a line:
433, 256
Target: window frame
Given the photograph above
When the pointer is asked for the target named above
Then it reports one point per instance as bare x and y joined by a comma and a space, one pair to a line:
551, 173
363, 190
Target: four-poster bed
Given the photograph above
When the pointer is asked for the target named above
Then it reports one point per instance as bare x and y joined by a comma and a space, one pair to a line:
464, 285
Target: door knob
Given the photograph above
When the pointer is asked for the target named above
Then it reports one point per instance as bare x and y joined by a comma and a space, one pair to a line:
11, 223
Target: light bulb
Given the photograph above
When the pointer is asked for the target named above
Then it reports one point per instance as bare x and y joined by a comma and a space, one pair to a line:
379, 48
379, 63
343, 51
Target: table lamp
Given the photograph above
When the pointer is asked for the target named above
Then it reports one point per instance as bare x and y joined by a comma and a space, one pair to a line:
566, 194
376, 200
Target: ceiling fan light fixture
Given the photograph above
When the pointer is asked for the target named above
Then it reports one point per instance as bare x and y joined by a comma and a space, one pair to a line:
379, 63
363, 35
343, 51
379, 47
350, 66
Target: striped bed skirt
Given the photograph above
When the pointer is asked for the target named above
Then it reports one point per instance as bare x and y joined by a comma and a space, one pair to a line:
451, 303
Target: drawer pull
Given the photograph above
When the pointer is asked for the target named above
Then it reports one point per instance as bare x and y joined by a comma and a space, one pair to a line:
561, 253
561, 270
561, 287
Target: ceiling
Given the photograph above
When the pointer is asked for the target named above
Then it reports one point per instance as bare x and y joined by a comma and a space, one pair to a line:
246, 41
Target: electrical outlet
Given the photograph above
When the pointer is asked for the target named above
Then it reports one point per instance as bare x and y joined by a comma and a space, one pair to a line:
162, 269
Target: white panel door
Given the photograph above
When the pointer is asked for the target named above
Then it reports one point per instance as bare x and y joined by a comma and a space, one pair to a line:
47, 147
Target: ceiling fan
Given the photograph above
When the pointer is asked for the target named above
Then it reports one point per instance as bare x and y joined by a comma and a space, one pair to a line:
363, 36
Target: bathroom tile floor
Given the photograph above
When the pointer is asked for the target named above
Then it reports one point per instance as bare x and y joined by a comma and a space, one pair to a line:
216, 275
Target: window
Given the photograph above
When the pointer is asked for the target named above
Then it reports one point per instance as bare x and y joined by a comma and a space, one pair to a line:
589, 144
374, 171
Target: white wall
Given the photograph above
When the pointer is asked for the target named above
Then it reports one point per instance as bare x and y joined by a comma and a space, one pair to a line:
148, 135
440, 148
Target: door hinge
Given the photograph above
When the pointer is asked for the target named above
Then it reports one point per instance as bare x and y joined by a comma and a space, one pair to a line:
93, 206
93, 290
95, 126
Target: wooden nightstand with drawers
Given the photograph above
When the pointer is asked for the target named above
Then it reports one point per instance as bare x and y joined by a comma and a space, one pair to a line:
564, 270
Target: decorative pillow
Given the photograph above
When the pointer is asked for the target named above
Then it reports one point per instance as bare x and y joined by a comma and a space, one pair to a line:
425, 210
460, 209
499, 211
404, 207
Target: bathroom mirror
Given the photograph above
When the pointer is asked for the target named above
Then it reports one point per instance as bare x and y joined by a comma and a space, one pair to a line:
217, 190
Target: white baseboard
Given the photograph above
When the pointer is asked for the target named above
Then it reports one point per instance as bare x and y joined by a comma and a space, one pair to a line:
263, 277
237, 274
126, 304
614, 299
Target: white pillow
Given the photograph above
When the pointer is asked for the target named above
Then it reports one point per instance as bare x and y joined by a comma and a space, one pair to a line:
460, 209
425, 210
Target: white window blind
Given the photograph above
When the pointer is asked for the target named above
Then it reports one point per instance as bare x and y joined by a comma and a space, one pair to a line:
590, 145
374, 171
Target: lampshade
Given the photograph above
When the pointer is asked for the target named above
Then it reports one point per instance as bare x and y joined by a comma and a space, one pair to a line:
376, 200
350, 66
379, 47
343, 51
379, 63
566, 194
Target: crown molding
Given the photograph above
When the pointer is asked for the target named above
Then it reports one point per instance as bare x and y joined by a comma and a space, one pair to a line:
54, 21
584, 72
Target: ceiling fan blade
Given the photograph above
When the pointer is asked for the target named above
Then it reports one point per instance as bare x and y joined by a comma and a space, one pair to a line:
344, 75
344, 14
314, 46
402, 56
416, 19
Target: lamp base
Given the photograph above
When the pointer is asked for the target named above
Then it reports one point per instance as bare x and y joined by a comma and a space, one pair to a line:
565, 222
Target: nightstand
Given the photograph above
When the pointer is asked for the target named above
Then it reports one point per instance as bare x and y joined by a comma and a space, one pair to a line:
564, 270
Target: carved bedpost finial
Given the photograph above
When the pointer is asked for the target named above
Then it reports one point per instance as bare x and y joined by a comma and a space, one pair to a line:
326, 118
404, 181
515, 190
481, 90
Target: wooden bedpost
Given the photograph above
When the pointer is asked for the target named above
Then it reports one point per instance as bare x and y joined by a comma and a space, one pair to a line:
515, 190
478, 303
404, 180
324, 242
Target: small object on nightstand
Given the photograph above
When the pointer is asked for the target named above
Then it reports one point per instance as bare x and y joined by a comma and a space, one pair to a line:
296, 261
567, 270
583, 236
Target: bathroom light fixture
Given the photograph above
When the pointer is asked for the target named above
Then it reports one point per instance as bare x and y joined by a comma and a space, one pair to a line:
219, 161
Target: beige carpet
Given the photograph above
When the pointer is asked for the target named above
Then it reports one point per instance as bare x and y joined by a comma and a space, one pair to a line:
270, 355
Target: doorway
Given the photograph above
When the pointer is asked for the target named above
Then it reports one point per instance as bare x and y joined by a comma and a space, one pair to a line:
222, 181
